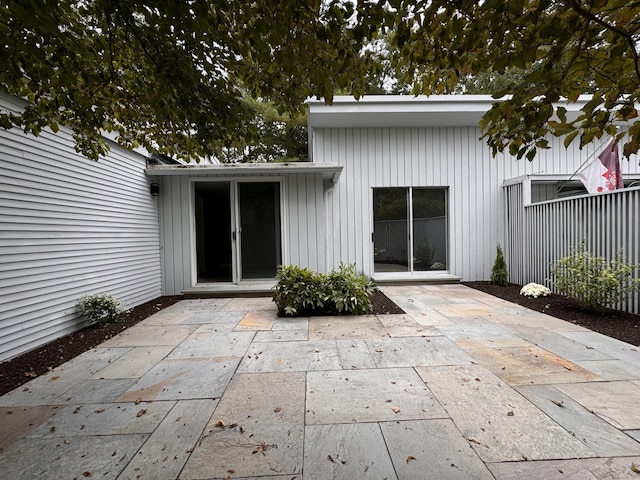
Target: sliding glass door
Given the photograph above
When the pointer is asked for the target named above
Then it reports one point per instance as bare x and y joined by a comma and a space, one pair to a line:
410, 229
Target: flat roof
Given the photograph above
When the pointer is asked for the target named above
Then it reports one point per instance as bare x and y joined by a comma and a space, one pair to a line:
329, 171
407, 110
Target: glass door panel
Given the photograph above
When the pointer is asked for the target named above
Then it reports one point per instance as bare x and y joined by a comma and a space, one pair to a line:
213, 232
390, 230
260, 233
429, 229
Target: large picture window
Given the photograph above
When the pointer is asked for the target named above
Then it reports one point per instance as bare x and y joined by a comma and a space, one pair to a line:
409, 229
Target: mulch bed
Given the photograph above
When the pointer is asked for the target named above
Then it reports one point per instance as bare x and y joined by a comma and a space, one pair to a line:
613, 323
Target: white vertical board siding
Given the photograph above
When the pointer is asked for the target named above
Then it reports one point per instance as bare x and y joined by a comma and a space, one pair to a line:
69, 226
452, 157
303, 222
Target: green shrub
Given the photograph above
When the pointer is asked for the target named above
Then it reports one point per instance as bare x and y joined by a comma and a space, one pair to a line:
499, 273
300, 291
593, 282
99, 308
423, 256
347, 291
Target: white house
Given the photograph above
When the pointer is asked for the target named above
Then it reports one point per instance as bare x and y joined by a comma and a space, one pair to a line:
401, 186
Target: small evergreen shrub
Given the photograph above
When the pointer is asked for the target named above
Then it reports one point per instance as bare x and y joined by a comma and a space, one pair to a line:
99, 308
499, 273
300, 291
593, 282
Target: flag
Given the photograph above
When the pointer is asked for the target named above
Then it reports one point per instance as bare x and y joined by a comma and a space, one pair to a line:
604, 172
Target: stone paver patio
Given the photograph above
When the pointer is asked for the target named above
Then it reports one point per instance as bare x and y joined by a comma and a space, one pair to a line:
463, 386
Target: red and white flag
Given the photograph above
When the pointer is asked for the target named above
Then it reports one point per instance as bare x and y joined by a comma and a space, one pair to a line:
604, 172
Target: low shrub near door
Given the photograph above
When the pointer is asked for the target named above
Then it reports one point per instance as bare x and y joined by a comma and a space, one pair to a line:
99, 308
343, 291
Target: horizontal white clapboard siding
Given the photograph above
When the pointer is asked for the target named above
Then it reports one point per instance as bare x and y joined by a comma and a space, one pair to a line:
69, 226
451, 157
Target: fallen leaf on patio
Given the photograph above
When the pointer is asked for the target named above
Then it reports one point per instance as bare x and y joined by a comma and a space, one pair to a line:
67, 441
379, 350
87, 474
477, 379
366, 467
141, 412
220, 424
556, 403
77, 409
280, 360
634, 468
30, 374
231, 470
100, 410
241, 429
510, 414
410, 457
278, 409
53, 379
52, 428
567, 367
115, 452
138, 400
233, 425
316, 351
395, 409
474, 440
331, 458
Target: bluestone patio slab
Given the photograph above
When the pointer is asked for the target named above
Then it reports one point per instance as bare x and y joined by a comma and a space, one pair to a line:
432, 449
96, 390
369, 396
222, 321
331, 328
405, 326
482, 335
291, 323
612, 347
250, 303
583, 469
498, 422
134, 363
164, 454
413, 351
463, 310
183, 379
590, 429
611, 369
530, 318
633, 434
291, 356
79, 420
256, 320
151, 336
354, 353
561, 345
257, 429
532, 365
346, 452
101, 457
164, 318
615, 402
17, 422
207, 343
281, 336
49, 388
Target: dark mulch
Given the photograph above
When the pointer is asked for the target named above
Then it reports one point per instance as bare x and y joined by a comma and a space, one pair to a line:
34, 363
613, 323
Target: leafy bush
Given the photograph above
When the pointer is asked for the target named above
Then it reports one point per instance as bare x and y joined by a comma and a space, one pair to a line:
499, 273
593, 282
423, 256
300, 291
100, 308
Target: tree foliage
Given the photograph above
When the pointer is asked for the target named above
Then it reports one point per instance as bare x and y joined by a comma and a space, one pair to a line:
563, 48
167, 75
170, 75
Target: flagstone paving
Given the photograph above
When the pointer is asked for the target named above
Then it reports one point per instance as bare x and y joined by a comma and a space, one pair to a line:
462, 386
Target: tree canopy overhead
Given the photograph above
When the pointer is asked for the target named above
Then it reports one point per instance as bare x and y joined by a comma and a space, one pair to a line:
170, 75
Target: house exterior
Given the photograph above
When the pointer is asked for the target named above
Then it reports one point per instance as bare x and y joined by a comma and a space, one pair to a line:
401, 186
69, 226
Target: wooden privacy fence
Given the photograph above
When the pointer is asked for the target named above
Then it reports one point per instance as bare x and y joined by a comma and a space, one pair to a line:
538, 234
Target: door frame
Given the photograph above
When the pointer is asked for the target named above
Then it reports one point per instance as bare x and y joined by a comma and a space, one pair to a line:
236, 259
